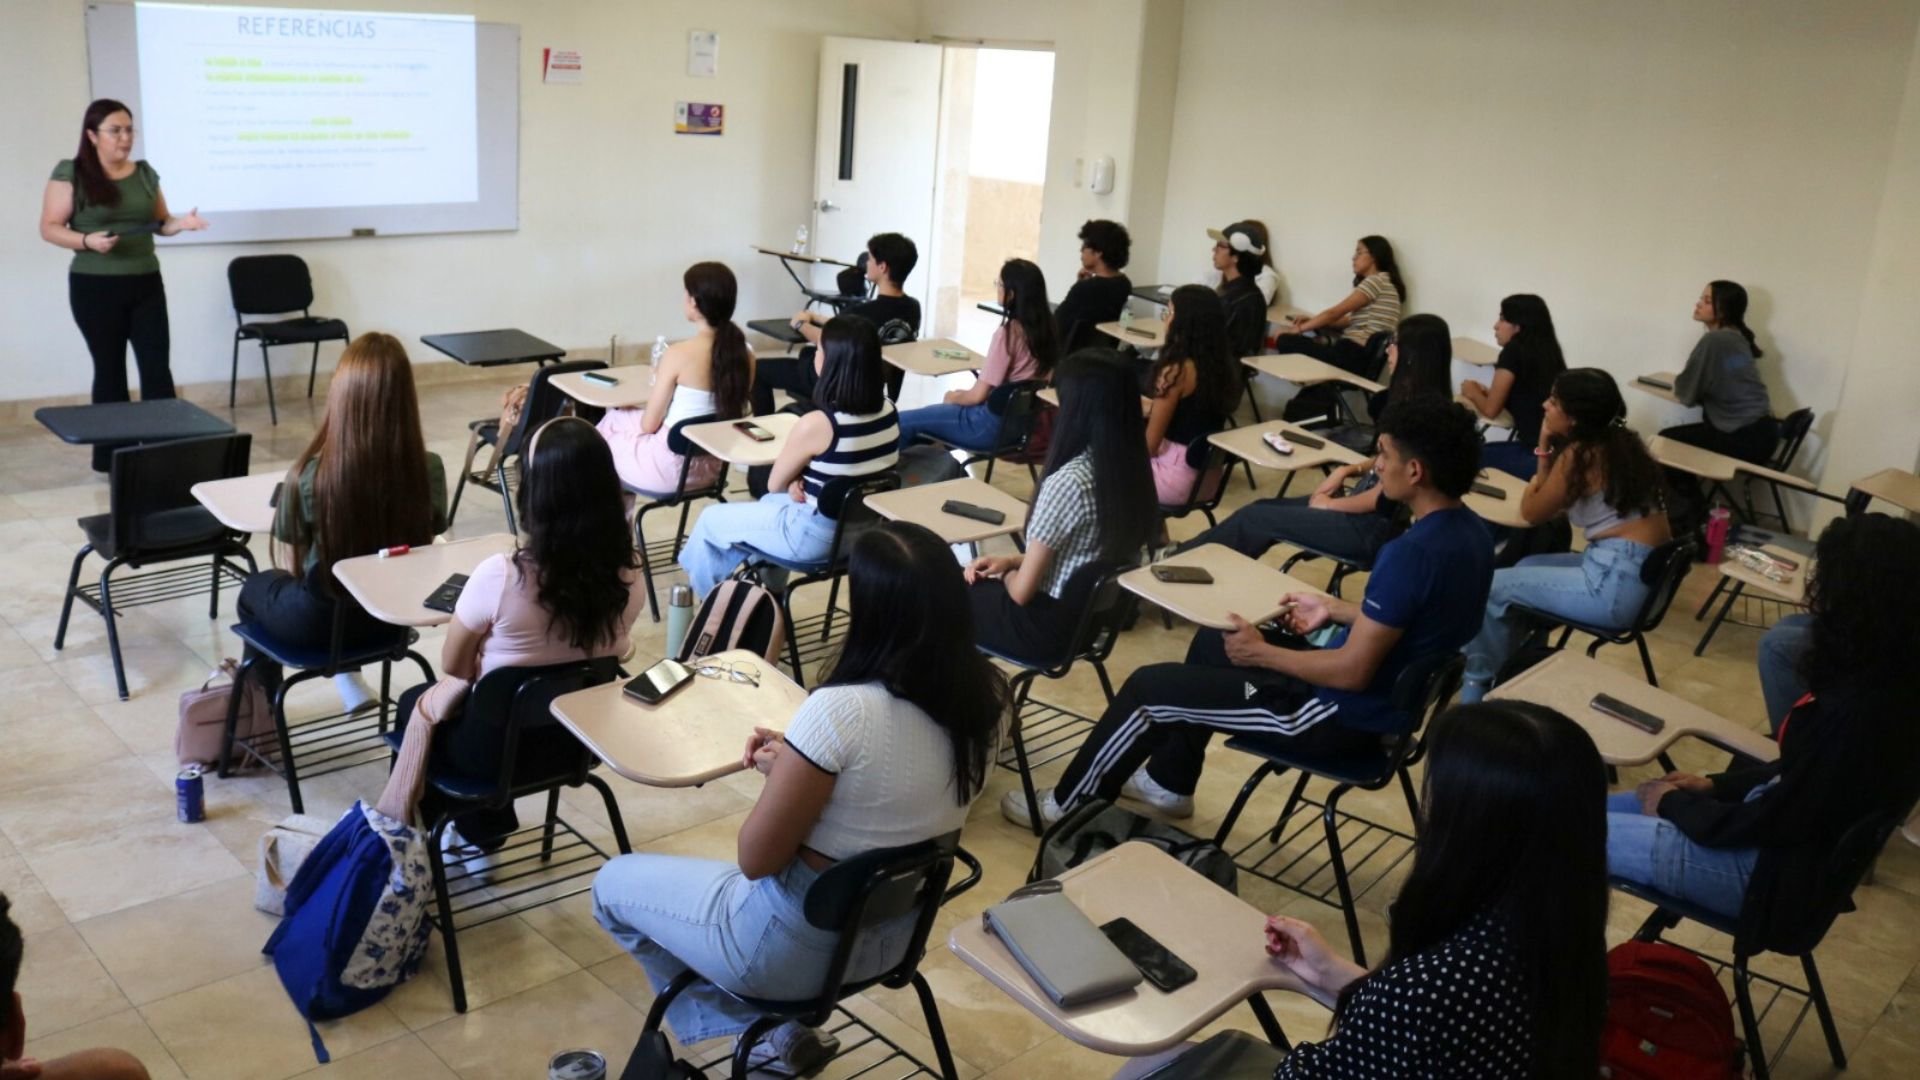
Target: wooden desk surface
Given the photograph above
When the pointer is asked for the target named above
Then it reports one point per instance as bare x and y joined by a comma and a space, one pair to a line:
1141, 333
1304, 370
1220, 935
1247, 442
698, 734
127, 422
1712, 466
1498, 511
791, 257
490, 348
1505, 419
1568, 681
1897, 486
1793, 590
1664, 393
395, 590
1474, 351
728, 443
240, 503
921, 505
634, 385
1241, 586
918, 357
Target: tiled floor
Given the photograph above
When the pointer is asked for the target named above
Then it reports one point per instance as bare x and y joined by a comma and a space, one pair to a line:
141, 931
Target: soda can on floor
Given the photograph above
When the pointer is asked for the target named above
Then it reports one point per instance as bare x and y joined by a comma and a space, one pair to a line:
577, 1065
190, 795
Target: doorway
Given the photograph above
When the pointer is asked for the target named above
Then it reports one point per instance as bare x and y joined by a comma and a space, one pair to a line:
995, 105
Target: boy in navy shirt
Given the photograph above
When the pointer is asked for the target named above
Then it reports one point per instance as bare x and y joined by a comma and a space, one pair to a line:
1427, 594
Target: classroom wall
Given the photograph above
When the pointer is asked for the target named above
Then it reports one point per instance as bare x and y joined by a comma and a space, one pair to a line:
1610, 157
613, 206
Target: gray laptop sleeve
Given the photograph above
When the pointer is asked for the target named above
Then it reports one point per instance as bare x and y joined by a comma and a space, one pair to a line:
1068, 956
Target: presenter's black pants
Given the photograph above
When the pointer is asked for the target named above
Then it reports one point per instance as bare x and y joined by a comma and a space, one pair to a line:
111, 311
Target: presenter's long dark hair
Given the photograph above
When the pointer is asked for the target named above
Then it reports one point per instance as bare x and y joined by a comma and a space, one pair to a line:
715, 291
89, 176
912, 632
1100, 417
578, 546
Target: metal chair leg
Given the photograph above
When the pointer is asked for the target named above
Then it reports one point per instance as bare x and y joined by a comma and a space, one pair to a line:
1266, 769
1646, 659
1718, 588
313, 369
750, 1038
113, 629
287, 767
1328, 816
614, 819
1269, 1025
273, 410
73, 590
233, 377
443, 903
547, 827
1720, 616
1286, 812
1819, 995
1025, 679
936, 1031
1749, 1023
466, 471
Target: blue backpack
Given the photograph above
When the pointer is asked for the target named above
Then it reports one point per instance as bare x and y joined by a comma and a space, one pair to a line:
356, 920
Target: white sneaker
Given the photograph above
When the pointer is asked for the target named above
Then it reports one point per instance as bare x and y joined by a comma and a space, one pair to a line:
354, 692
801, 1049
1141, 787
1013, 807
477, 863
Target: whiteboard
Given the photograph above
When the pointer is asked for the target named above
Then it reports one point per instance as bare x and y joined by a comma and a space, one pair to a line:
113, 66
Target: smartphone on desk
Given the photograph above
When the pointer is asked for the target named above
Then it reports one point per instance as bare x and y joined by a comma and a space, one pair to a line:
1488, 490
1608, 705
600, 377
447, 595
753, 431
1157, 962
1181, 575
1302, 439
657, 683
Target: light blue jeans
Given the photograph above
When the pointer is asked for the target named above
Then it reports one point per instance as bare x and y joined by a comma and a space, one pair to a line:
748, 937
1600, 587
1780, 652
775, 525
1654, 852
969, 427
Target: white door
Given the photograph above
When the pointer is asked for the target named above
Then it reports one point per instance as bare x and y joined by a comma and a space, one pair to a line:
878, 136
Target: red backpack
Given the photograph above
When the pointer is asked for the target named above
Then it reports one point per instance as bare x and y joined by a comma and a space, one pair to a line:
1667, 1016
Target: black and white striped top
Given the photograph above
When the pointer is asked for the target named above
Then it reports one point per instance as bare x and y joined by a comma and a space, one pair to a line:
862, 446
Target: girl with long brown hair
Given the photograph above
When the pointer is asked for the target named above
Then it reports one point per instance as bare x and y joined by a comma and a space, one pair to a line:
365, 482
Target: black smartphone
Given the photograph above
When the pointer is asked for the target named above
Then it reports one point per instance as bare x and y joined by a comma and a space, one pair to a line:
600, 377
1608, 705
655, 684
1155, 961
1181, 575
145, 228
1308, 441
448, 594
1488, 490
273, 500
1664, 384
753, 431
977, 513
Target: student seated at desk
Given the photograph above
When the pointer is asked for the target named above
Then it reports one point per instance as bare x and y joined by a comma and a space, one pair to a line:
1095, 505
1347, 524
1496, 952
1848, 747
1339, 334
890, 750
1530, 359
1253, 241
100, 1063
1425, 596
1024, 347
367, 481
1194, 383
890, 258
1239, 255
1722, 376
1100, 290
570, 593
708, 374
853, 433
1595, 470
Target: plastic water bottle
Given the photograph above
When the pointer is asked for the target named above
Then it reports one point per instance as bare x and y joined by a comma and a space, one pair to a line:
1126, 317
659, 350
679, 617
800, 240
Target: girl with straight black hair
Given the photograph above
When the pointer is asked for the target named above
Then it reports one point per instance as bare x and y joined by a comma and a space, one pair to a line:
1095, 507
1596, 471
1339, 334
708, 374
890, 750
1024, 348
1194, 382
1530, 359
1722, 376
853, 434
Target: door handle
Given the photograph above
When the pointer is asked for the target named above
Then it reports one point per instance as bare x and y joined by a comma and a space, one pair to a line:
826, 206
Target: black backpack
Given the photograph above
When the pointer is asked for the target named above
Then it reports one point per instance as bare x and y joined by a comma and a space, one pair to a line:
1098, 825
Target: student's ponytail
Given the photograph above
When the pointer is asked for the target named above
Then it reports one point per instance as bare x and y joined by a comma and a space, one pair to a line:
1730, 311
715, 291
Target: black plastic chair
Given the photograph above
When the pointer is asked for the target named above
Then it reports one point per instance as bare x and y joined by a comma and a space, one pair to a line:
668, 551
152, 517
1104, 606
1020, 406
1765, 925
1666, 567
1793, 432
850, 898
845, 501
535, 754
1422, 690
275, 285
544, 402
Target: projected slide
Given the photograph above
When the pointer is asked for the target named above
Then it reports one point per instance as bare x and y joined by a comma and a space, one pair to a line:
251, 108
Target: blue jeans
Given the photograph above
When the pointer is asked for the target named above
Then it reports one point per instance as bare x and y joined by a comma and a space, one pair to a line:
1600, 587
775, 525
1654, 852
969, 427
1257, 526
749, 937
1780, 652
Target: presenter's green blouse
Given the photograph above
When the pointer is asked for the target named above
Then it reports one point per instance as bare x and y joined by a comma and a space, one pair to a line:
139, 196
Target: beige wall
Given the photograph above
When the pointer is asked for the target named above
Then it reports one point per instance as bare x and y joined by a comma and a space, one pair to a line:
612, 205
1610, 157
1000, 217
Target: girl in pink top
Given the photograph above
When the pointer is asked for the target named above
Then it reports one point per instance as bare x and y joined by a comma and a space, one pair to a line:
1194, 387
1024, 348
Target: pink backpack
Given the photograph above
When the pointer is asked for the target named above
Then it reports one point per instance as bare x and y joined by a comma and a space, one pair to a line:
737, 614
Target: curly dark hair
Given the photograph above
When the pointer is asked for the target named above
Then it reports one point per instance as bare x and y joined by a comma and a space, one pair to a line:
1591, 399
1438, 433
1110, 239
1864, 595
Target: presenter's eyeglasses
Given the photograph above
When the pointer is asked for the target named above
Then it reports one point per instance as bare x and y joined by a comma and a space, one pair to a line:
115, 131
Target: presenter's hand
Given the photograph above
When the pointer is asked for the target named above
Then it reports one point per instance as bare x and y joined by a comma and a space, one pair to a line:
191, 221
100, 242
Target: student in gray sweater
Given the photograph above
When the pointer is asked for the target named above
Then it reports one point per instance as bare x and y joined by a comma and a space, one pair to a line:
1722, 376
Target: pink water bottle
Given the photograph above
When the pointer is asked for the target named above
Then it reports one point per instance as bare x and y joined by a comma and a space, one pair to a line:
1719, 522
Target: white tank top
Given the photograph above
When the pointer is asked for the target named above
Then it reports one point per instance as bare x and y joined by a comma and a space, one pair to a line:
687, 403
